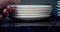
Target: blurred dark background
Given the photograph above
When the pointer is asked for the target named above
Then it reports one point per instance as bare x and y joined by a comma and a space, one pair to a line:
51, 21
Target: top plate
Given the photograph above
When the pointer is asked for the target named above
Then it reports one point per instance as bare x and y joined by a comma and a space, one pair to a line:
31, 5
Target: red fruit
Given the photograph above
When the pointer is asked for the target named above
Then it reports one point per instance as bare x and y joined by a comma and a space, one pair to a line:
5, 12
10, 9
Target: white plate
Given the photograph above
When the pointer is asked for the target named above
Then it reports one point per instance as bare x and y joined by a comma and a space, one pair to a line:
31, 5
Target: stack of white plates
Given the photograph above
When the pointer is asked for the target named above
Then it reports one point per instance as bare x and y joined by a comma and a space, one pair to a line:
58, 8
32, 12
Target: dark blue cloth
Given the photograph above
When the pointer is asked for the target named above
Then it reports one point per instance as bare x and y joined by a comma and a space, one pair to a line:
28, 29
